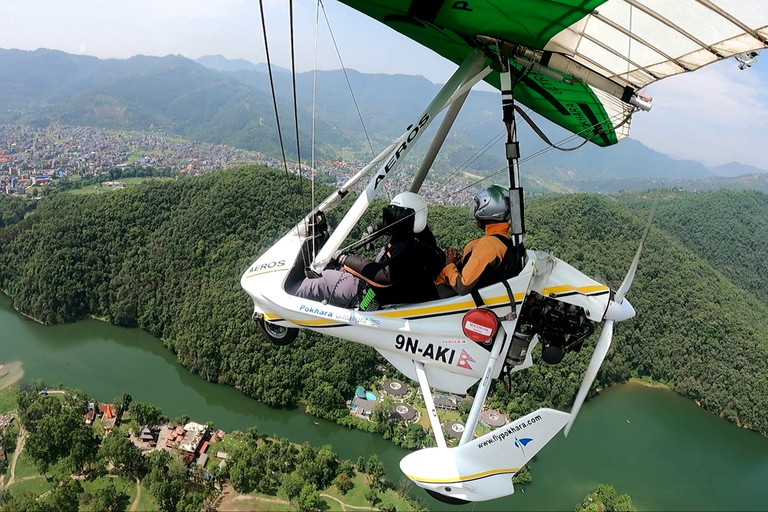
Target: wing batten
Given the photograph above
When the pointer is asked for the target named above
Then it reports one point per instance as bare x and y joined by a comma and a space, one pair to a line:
631, 43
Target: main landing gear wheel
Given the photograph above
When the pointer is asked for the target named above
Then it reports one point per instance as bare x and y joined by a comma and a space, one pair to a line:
277, 334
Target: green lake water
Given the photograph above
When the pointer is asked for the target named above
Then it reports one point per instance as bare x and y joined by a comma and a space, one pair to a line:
660, 448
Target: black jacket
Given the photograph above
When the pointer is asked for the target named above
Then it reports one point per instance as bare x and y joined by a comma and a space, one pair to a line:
404, 271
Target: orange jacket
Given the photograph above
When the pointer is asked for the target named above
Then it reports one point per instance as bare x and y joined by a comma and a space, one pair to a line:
481, 254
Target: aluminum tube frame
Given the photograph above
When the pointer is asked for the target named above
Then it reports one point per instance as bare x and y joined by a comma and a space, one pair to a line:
429, 403
512, 147
408, 139
483, 388
442, 131
333, 200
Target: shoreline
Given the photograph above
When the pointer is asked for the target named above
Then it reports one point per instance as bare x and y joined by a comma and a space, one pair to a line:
10, 374
647, 384
38, 321
28, 317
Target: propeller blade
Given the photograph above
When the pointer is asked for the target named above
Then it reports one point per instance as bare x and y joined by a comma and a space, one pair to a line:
624, 288
606, 335
601, 349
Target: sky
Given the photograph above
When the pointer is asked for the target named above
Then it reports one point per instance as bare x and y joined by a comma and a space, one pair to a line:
715, 115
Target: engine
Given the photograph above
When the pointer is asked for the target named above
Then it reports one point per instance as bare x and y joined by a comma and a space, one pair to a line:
561, 327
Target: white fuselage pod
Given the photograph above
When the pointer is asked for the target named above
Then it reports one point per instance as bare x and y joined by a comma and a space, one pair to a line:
482, 469
428, 332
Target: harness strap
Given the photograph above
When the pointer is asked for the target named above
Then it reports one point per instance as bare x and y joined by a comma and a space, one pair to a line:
512, 314
477, 298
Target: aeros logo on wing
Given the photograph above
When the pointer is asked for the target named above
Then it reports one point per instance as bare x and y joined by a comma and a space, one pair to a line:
412, 135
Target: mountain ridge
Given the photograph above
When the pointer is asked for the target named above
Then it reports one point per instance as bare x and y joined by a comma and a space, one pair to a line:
234, 106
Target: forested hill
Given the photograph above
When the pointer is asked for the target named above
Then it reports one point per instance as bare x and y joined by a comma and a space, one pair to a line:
167, 256
727, 228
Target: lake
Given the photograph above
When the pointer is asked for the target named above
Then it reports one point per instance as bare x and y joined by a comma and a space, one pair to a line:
661, 449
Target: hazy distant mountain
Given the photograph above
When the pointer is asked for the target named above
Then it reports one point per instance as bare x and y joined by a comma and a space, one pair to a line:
221, 63
170, 93
733, 169
226, 101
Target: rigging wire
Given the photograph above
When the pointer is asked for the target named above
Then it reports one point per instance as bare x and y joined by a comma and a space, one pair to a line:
274, 96
493, 141
500, 135
550, 148
346, 77
314, 103
579, 134
464, 165
295, 105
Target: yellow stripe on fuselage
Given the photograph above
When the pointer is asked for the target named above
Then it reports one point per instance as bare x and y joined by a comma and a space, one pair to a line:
455, 307
566, 288
320, 322
490, 301
476, 476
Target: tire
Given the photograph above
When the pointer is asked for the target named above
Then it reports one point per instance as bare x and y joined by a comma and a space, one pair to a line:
277, 334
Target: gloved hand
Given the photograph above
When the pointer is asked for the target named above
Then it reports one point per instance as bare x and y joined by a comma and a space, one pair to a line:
338, 260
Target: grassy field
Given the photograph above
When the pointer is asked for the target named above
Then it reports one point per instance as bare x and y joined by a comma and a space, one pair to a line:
25, 467
356, 497
7, 399
647, 381
98, 189
36, 485
121, 484
146, 502
256, 504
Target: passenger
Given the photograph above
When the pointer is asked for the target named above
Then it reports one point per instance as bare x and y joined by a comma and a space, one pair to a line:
488, 259
403, 272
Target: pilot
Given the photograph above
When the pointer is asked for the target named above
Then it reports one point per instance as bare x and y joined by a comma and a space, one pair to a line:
488, 259
402, 272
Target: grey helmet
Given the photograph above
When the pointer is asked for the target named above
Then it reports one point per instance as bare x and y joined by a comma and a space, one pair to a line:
491, 204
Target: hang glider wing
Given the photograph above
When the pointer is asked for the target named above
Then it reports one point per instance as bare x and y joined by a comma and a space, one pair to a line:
606, 50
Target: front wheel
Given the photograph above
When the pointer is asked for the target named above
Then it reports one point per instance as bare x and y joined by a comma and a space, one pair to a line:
277, 334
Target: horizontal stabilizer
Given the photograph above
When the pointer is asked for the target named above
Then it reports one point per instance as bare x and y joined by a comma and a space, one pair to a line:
482, 469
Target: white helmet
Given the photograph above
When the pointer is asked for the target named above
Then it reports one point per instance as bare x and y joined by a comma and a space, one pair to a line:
407, 206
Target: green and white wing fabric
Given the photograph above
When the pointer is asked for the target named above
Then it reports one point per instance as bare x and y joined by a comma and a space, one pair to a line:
605, 50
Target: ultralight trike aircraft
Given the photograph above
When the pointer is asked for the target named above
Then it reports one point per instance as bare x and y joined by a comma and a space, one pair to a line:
580, 64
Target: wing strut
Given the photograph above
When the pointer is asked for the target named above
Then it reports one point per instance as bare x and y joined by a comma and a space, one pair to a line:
483, 388
429, 403
513, 155
445, 126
